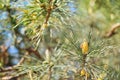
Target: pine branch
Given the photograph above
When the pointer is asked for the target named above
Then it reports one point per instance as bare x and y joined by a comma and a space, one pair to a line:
112, 31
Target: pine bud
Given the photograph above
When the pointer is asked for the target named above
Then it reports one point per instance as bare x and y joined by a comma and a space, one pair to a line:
84, 47
83, 72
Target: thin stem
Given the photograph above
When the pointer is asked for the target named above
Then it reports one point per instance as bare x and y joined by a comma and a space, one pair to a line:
84, 60
50, 73
48, 12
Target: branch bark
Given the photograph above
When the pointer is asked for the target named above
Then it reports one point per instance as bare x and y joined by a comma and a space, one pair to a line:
31, 50
112, 31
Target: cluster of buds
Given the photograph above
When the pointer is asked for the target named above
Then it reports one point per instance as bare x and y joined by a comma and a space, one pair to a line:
84, 47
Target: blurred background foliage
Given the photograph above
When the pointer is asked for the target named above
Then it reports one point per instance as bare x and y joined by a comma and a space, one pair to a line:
41, 39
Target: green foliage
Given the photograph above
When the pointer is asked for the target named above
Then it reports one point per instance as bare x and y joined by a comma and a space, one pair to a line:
35, 18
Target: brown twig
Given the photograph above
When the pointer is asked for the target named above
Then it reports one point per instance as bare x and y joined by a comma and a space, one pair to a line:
48, 12
23, 59
8, 68
84, 60
112, 30
6, 72
31, 50
10, 77
4, 54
